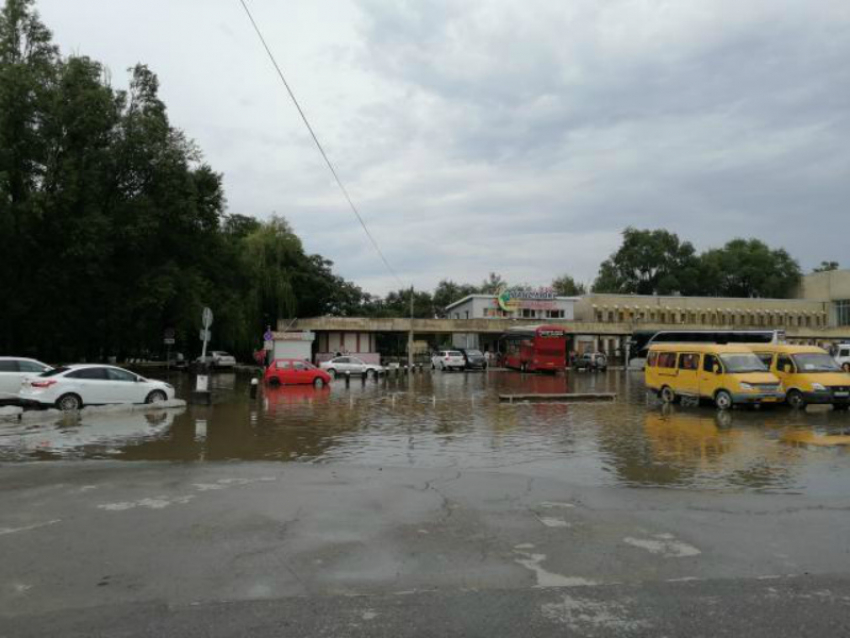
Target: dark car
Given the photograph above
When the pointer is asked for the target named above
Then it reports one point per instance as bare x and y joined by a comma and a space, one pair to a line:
475, 359
591, 361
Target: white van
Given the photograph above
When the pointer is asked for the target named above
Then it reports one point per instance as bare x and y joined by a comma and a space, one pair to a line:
842, 355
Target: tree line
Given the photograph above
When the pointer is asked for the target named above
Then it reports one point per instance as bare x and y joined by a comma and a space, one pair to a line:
112, 226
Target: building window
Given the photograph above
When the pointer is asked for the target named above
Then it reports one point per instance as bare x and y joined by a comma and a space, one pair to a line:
528, 313
842, 312
555, 314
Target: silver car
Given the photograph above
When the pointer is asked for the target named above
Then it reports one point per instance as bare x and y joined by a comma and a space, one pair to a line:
350, 365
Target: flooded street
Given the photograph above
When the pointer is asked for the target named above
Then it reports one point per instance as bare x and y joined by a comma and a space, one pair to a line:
456, 421
408, 502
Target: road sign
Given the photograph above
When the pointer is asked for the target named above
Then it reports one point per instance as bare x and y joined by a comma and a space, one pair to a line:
207, 317
205, 335
268, 336
168, 342
268, 345
169, 333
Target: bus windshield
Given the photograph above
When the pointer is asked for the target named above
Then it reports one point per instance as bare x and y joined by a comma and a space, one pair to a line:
815, 362
743, 362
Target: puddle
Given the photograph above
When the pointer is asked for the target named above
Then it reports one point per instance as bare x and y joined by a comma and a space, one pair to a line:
456, 421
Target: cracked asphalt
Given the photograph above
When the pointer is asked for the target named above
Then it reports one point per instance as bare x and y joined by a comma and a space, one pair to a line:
271, 549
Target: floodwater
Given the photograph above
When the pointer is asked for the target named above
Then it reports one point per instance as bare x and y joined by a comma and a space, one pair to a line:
456, 420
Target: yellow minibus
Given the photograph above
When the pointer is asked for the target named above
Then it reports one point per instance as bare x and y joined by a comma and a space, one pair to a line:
808, 374
724, 374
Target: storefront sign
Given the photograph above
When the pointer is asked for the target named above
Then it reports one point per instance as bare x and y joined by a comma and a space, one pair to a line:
511, 299
296, 336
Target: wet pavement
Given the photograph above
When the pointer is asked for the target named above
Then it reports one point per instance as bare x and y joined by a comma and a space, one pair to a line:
424, 506
450, 420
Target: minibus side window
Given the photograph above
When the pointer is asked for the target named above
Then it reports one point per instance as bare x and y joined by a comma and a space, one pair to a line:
784, 364
709, 362
688, 362
651, 359
667, 360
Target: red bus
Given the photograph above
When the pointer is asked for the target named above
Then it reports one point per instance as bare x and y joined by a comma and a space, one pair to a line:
535, 348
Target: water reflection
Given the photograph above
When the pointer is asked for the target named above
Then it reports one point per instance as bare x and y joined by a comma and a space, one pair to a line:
94, 435
456, 420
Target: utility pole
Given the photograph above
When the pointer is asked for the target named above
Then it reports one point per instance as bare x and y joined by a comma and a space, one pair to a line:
410, 334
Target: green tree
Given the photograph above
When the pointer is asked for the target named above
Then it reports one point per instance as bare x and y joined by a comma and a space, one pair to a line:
826, 266
650, 262
28, 66
112, 227
397, 304
566, 286
749, 268
448, 291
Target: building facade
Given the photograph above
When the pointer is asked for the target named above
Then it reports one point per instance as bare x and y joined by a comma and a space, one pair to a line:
832, 286
820, 314
539, 304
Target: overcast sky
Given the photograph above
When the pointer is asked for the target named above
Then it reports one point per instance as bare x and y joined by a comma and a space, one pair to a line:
520, 137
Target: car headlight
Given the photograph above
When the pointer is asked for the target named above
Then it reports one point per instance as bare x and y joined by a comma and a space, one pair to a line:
818, 387
746, 386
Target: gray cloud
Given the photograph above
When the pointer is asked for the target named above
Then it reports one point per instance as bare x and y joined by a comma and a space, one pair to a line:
520, 138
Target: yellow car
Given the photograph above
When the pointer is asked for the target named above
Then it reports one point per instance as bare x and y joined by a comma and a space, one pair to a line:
724, 374
808, 374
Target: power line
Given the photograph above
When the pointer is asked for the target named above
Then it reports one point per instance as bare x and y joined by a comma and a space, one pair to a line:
318, 144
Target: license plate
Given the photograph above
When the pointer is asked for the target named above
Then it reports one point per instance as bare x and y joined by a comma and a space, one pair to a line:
842, 394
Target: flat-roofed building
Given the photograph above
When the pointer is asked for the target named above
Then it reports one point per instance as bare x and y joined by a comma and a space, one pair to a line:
832, 286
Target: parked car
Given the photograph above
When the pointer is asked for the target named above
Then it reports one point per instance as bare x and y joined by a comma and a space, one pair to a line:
474, 359
842, 356
295, 372
177, 360
448, 360
14, 371
218, 359
350, 365
72, 387
591, 361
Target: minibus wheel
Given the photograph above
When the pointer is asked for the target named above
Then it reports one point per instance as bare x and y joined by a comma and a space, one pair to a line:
667, 394
723, 400
795, 399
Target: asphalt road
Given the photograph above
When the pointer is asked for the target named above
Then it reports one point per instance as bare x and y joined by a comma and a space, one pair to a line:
256, 549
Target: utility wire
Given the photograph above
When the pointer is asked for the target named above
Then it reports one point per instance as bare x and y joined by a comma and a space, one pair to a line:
318, 144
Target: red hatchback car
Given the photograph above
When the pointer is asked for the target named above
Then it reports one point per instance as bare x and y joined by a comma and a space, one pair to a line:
295, 372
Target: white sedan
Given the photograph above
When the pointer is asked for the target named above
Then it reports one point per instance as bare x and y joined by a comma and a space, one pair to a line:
218, 359
350, 365
16, 370
72, 387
